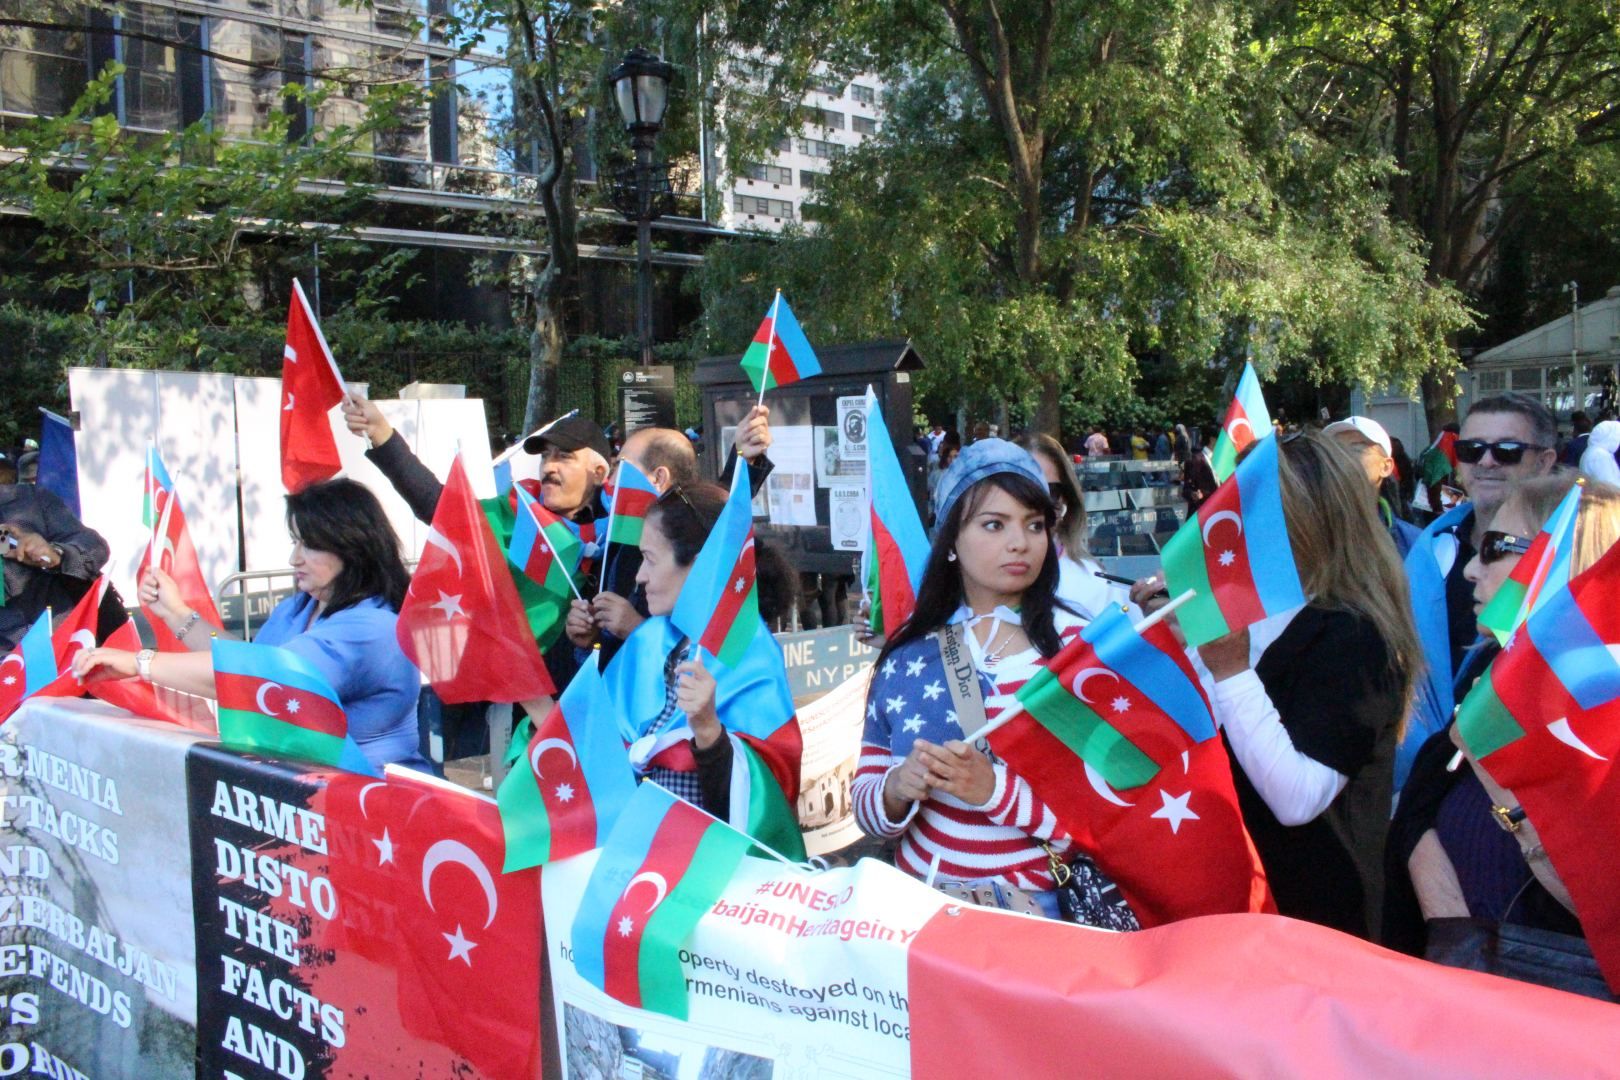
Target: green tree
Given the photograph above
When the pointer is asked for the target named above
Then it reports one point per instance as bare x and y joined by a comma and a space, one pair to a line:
1478, 103
1060, 187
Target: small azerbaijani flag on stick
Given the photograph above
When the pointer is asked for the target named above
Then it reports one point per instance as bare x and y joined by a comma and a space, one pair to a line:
896, 543
575, 778
633, 496
1235, 554
28, 668
665, 864
780, 353
542, 547
273, 702
1247, 421
1542, 569
718, 607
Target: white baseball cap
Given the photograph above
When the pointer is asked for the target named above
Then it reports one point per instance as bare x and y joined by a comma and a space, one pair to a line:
1366, 427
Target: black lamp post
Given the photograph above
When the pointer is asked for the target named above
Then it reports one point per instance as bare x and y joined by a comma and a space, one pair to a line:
642, 193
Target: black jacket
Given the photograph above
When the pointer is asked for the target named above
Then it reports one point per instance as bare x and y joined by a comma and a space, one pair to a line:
30, 590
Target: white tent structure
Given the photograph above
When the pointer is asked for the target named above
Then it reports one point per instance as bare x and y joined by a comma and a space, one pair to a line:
1568, 363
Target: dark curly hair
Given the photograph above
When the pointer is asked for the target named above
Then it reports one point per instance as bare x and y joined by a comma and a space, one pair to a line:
345, 519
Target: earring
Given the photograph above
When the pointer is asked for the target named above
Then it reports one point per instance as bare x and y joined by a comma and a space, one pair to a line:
951, 557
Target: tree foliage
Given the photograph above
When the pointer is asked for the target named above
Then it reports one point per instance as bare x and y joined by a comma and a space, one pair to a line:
1061, 187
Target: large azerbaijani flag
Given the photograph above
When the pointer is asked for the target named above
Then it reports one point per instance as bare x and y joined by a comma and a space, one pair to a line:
718, 607
780, 353
273, 702
1538, 574
1544, 721
1247, 421
1235, 554
574, 779
896, 543
664, 865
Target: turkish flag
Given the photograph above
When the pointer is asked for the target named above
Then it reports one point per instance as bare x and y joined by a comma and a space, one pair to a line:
149, 700
1227, 995
462, 622
437, 948
310, 388
177, 557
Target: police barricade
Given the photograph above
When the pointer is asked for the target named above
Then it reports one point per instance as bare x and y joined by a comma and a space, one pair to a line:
172, 909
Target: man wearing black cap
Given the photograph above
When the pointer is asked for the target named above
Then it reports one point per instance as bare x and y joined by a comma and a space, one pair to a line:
575, 457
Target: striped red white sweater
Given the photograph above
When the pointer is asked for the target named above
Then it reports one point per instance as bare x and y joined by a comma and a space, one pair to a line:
907, 700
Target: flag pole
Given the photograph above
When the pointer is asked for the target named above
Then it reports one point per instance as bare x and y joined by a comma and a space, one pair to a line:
1016, 711
770, 342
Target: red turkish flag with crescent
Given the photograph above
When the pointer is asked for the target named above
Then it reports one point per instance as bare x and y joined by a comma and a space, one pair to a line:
170, 549
434, 955
462, 622
310, 388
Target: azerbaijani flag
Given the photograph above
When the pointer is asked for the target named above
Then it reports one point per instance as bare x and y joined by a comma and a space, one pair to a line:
1117, 702
719, 604
1544, 721
573, 782
542, 547
28, 668
780, 353
1247, 421
896, 543
633, 496
664, 865
1235, 554
158, 487
273, 702
1539, 571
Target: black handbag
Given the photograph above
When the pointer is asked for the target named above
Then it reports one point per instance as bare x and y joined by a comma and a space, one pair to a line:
1088, 896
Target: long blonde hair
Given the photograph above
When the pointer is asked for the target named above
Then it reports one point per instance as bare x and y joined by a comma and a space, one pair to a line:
1597, 522
1346, 559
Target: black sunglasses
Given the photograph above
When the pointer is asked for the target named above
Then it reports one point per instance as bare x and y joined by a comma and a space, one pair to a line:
1506, 452
1497, 545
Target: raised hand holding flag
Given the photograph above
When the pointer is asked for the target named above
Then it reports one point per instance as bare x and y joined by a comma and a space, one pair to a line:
171, 551
310, 389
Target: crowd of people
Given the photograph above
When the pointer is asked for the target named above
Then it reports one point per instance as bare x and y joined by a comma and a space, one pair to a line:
1319, 707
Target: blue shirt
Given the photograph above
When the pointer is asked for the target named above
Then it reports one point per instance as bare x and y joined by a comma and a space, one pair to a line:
356, 652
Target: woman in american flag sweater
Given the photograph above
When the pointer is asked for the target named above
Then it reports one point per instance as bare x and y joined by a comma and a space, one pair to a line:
958, 812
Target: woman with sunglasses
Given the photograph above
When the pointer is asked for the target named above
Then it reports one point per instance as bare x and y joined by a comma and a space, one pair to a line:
1450, 857
1079, 585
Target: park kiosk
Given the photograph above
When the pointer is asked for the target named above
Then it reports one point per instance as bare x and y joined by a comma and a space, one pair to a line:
809, 506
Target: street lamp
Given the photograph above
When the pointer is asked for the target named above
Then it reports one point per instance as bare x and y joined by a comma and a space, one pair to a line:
642, 193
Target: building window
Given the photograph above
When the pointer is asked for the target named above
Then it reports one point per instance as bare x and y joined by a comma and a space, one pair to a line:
828, 87
1491, 381
1526, 378
863, 125
768, 174
826, 118
42, 72
757, 207
816, 148
784, 144
811, 180
863, 94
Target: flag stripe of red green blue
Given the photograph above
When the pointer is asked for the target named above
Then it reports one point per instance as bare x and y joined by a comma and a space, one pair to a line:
542, 547
780, 353
1235, 554
563, 797
896, 544
1577, 630
719, 604
633, 496
1119, 701
1540, 570
272, 701
158, 486
664, 865
1247, 420
28, 668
